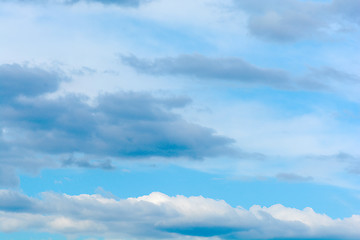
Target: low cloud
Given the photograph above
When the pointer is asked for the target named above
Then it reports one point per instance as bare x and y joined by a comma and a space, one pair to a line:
160, 216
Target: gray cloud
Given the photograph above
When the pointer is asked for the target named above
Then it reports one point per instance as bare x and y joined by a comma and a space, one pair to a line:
236, 69
86, 163
11, 201
120, 125
8, 177
203, 67
291, 177
36, 131
157, 216
292, 20
348, 9
16, 80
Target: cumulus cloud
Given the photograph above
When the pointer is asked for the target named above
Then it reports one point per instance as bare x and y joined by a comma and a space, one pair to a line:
36, 129
158, 215
291, 20
236, 69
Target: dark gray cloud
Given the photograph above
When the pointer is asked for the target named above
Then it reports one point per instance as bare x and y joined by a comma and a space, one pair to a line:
291, 20
200, 66
236, 69
35, 130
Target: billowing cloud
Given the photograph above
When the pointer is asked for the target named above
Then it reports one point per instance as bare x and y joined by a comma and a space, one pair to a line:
158, 215
35, 129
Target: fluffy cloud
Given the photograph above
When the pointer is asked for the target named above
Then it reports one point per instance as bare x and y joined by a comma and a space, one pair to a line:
36, 129
158, 215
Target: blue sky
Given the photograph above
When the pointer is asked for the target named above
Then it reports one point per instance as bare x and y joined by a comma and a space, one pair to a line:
163, 119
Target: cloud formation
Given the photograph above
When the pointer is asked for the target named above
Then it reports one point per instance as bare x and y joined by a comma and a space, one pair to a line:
158, 215
16, 80
199, 66
36, 129
236, 69
292, 20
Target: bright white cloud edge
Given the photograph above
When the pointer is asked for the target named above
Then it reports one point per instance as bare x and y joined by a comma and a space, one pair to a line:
161, 216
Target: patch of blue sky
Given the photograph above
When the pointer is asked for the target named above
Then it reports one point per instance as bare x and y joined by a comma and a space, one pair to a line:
28, 235
172, 180
294, 57
289, 103
156, 38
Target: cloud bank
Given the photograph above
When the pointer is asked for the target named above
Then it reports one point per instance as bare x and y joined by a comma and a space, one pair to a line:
39, 131
161, 216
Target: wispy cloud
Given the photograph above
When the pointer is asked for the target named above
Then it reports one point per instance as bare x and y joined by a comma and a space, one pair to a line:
292, 20
238, 70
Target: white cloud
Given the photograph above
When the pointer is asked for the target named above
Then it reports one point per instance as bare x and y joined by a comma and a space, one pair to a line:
158, 215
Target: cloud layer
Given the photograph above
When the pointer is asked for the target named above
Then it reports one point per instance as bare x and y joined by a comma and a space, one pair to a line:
238, 70
36, 128
161, 216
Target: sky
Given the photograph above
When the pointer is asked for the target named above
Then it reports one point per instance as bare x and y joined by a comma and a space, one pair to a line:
169, 119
